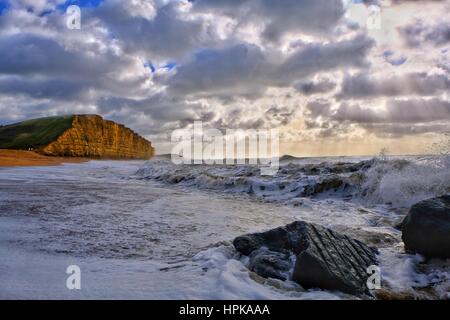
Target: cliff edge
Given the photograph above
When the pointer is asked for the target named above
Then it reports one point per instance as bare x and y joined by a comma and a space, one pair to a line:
76, 136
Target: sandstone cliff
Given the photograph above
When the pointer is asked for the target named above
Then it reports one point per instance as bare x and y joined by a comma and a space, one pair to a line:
92, 136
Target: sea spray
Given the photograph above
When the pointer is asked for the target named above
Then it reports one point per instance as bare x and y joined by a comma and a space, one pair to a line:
396, 181
402, 183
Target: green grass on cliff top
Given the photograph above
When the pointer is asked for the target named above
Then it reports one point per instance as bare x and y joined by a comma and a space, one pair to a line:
33, 133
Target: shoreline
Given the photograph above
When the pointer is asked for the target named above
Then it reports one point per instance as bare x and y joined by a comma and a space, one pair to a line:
22, 158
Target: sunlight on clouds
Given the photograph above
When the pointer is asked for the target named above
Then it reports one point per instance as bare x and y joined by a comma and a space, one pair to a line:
331, 82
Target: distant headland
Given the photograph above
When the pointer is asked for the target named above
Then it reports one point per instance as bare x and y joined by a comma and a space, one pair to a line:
84, 136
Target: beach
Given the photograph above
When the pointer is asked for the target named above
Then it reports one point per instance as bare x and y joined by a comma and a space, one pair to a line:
20, 158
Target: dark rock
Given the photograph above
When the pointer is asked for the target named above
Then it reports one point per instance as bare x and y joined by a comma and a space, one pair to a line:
271, 264
246, 244
399, 226
426, 228
324, 259
334, 261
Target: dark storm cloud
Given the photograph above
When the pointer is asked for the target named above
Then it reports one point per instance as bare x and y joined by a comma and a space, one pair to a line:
324, 57
354, 113
58, 89
36, 55
245, 70
280, 17
315, 87
239, 70
167, 35
399, 117
319, 108
43, 68
28, 54
418, 110
419, 33
279, 115
160, 109
390, 130
396, 111
416, 83
268, 117
228, 59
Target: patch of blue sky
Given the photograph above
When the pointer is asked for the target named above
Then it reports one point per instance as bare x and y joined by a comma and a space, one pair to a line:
150, 66
393, 59
80, 3
170, 65
4, 5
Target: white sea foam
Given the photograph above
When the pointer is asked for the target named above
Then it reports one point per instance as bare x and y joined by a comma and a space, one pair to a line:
135, 237
399, 182
403, 182
407, 274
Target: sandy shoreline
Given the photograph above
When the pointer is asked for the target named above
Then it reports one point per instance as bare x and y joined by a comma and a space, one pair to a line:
20, 158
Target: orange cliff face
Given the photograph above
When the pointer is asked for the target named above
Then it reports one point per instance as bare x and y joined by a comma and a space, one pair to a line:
92, 136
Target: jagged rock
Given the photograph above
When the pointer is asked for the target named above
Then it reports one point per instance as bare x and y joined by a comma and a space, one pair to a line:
324, 258
426, 228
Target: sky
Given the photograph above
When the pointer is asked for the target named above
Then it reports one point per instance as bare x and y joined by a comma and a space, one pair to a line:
336, 77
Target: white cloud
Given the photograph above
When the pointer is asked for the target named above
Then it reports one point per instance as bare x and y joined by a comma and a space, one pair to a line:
297, 64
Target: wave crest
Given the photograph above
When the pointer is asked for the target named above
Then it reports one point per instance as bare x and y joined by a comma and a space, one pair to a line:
402, 183
399, 182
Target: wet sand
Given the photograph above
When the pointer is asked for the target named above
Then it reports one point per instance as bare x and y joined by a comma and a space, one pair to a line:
21, 158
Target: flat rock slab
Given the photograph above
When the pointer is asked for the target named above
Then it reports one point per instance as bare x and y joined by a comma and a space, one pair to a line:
426, 228
319, 257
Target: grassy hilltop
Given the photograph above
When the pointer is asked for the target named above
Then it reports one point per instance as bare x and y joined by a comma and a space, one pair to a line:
33, 133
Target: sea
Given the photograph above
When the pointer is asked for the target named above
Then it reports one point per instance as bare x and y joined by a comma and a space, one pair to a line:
156, 230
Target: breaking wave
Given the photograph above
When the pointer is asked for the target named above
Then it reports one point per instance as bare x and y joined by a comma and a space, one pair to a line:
399, 182
403, 183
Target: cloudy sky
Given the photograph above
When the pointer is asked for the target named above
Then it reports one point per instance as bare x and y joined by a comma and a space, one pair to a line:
329, 74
